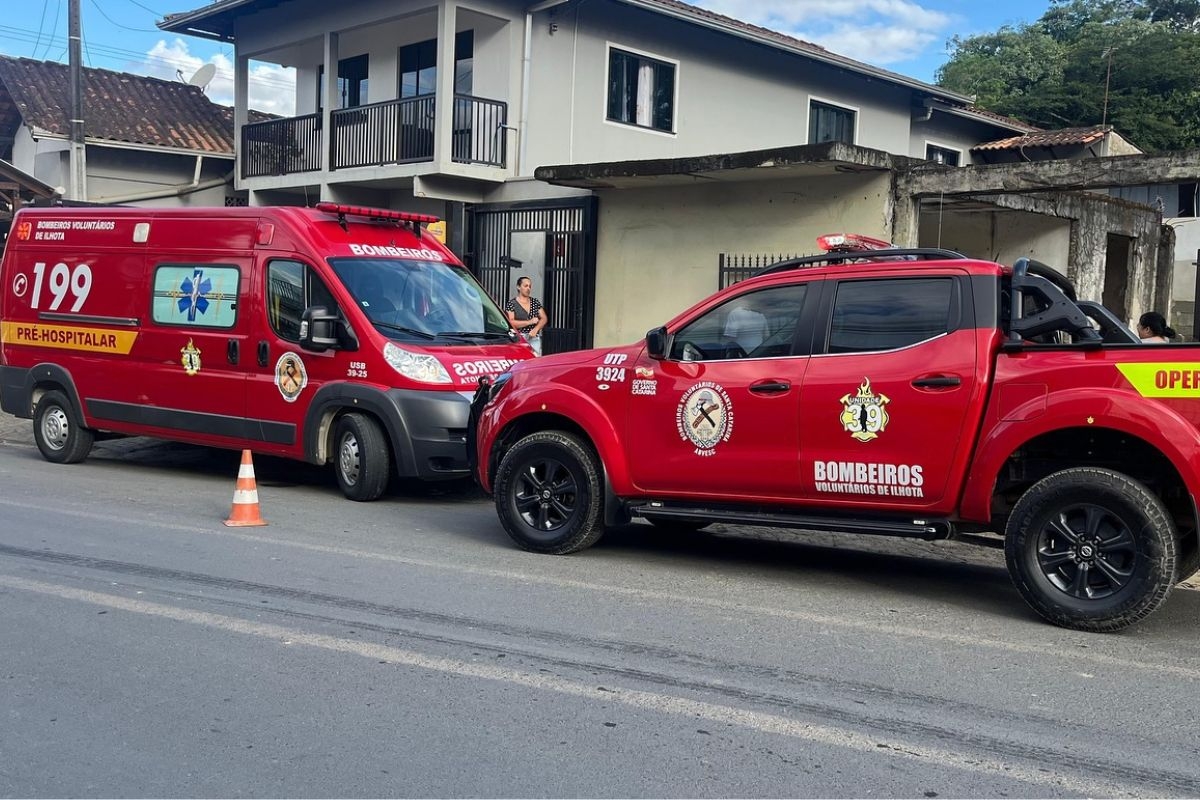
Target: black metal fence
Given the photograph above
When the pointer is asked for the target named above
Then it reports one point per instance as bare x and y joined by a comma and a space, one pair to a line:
281, 146
734, 267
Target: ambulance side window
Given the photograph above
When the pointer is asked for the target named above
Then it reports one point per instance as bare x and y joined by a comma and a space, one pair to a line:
291, 288
195, 295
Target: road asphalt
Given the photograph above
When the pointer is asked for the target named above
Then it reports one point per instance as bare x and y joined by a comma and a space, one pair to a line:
19, 432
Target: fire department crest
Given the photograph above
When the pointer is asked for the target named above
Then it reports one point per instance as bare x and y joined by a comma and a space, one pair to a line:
190, 358
704, 417
290, 376
863, 414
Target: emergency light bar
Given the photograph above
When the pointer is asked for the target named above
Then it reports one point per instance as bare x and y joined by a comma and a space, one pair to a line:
376, 213
851, 243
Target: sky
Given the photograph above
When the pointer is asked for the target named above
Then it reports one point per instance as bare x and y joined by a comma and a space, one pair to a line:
905, 36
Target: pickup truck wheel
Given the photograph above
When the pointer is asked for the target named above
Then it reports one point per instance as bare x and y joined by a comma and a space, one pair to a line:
361, 458
1091, 549
60, 436
549, 494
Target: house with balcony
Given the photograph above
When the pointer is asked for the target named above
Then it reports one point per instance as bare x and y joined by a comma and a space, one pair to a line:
450, 106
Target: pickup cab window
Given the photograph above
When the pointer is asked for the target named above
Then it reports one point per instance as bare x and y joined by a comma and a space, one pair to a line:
758, 324
887, 314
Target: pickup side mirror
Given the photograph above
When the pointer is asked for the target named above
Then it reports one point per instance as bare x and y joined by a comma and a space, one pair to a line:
656, 343
318, 329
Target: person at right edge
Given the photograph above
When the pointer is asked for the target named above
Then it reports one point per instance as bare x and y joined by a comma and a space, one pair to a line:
1152, 328
526, 314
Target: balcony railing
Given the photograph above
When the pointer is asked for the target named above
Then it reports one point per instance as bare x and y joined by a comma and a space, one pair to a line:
281, 146
479, 130
402, 132
391, 132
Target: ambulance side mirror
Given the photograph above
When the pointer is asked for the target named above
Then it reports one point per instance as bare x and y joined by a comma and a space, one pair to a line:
656, 343
318, 329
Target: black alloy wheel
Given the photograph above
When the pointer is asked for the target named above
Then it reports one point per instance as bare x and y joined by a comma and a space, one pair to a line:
549, 493
1091, 549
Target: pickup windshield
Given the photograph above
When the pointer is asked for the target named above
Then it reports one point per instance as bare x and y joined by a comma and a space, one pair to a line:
423, 300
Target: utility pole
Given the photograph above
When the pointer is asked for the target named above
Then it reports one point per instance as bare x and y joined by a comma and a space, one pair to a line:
78, 154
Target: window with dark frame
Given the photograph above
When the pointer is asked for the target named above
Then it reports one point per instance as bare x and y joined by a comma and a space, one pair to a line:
1187, 199
641, 91
293, 287
352, 83
828, 123
875, 315
418, 66
942, 155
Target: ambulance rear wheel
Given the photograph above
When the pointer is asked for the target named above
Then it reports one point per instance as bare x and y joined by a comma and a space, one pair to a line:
361, 458
59, 434
549, 494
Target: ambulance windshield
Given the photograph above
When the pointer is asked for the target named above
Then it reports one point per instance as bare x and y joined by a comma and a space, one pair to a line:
421, 300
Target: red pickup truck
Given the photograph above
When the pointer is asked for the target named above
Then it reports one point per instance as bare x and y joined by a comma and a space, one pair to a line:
904, 392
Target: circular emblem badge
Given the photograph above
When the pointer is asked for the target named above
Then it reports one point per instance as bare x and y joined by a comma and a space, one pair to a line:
704, 417
290, 376
20, 285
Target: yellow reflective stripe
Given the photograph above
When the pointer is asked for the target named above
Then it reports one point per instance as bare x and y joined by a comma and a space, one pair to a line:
68, 337
1164, 379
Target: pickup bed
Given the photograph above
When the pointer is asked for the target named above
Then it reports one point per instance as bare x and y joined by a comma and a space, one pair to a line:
901, 392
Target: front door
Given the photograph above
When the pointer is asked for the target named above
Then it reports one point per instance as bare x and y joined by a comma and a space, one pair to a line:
284, 377
717, 418
891, 392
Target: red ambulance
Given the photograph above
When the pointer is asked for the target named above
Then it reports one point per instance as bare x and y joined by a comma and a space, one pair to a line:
335, 334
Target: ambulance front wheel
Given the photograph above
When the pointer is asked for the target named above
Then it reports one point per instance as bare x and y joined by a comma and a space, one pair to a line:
58, 432
361, 458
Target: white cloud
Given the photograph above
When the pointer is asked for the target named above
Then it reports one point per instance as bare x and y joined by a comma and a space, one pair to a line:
873, 31
272, 87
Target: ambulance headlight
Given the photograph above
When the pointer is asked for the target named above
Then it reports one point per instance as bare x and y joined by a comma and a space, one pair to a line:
415, 366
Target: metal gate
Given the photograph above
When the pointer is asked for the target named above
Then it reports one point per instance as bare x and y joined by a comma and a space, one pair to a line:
553, 242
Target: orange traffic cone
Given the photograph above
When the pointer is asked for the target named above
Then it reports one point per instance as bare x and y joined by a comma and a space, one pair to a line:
245, 510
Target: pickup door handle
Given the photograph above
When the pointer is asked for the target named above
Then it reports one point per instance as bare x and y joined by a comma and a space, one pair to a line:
264, 353
937, 381
770, 387
231, 351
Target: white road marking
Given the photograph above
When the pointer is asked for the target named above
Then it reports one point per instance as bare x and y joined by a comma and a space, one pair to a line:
641, 700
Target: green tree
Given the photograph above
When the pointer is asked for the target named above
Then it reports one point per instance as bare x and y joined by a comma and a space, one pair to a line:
1133, 64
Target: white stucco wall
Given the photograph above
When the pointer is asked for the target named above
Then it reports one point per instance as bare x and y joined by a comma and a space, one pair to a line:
730, 96
657, 249
1187, 243
1002, 236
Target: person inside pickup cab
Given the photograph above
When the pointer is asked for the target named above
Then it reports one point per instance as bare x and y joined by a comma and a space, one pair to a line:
1152, 328
745, 326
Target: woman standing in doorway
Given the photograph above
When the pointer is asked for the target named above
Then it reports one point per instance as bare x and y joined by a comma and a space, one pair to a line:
526, 314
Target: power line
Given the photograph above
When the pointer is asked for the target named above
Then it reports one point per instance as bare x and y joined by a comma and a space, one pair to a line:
119, 25
53, 26
41, 25
117, 53
147, 8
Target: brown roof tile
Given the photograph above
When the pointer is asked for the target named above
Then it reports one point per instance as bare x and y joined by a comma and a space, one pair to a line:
1059, 138
119, 107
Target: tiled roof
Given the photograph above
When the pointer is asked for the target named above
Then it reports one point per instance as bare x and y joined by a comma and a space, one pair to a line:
118, 107
1059, 138
1011, 122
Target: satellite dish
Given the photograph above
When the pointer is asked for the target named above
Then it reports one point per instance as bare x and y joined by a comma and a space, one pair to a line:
204, 76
